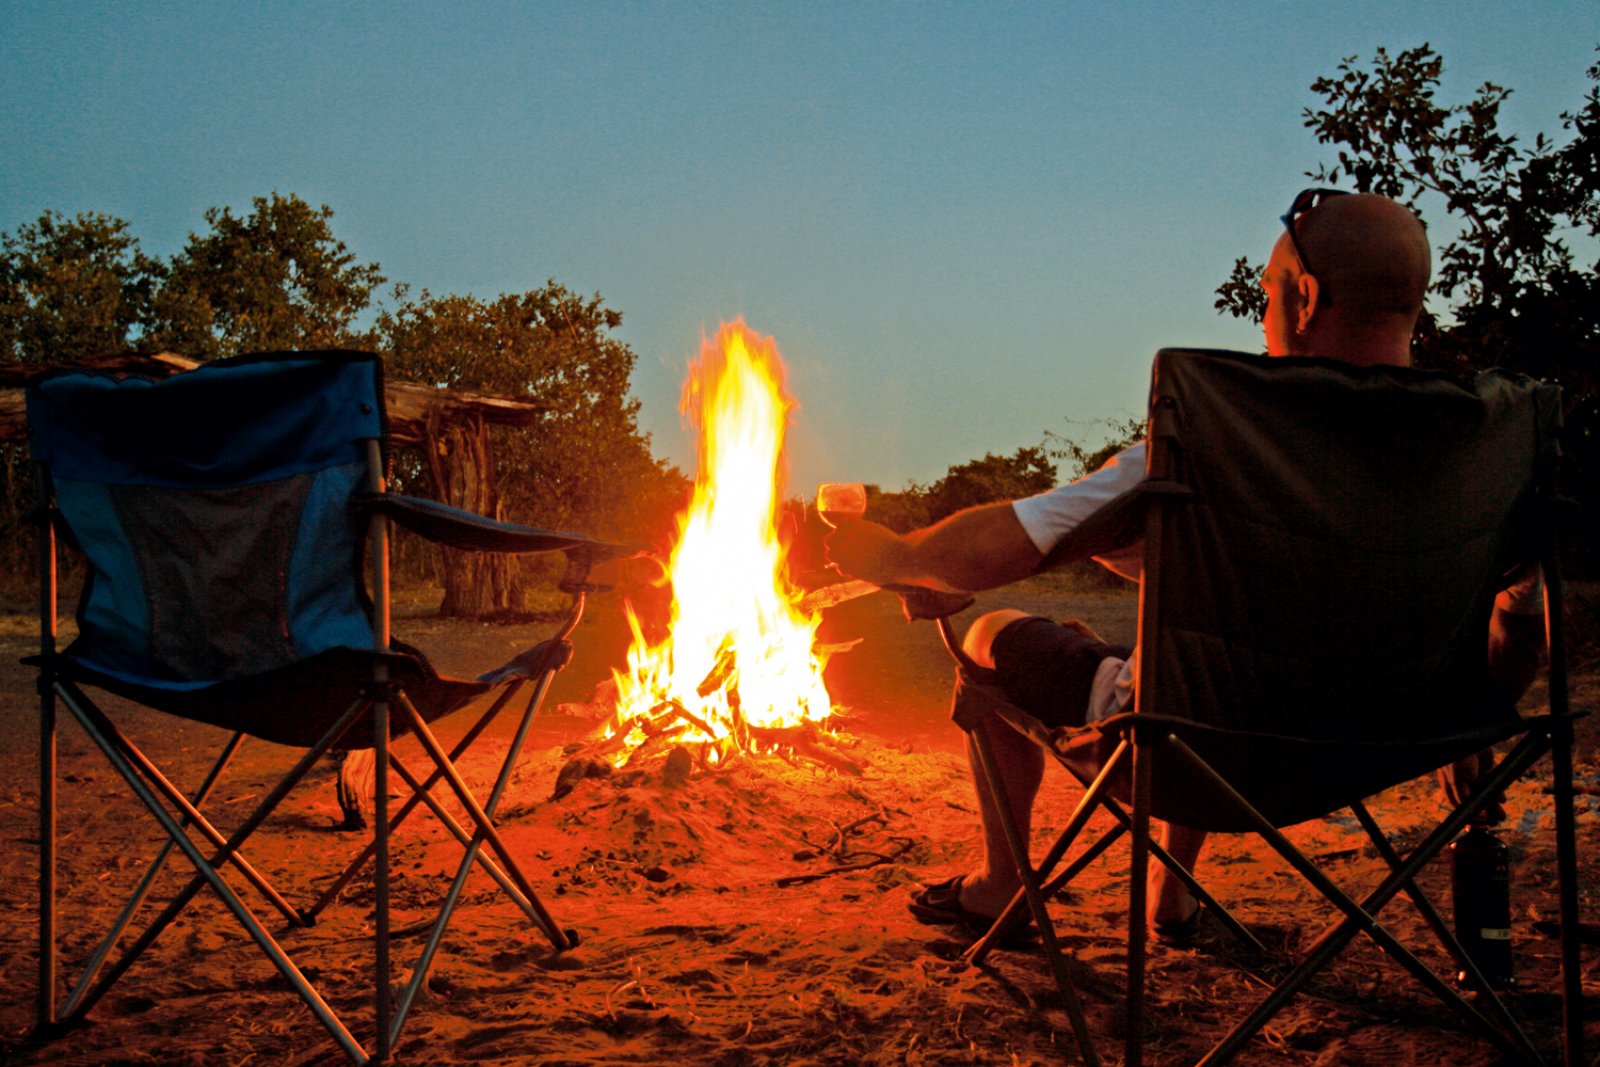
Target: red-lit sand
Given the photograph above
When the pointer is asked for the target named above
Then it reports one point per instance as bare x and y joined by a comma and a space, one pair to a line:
712, 931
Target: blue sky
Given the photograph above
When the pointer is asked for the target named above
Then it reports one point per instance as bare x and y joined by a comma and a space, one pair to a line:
963, 224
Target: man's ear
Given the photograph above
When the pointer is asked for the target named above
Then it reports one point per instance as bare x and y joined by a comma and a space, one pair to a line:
1309, 289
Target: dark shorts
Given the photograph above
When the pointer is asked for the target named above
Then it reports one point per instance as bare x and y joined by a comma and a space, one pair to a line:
1047, 668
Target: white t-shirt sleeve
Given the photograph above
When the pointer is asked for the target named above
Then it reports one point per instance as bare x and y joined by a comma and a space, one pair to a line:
1050, 516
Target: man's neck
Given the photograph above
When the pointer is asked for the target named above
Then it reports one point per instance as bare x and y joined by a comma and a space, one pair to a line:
1364, 343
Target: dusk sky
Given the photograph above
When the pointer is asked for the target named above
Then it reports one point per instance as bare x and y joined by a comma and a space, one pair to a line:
963, 224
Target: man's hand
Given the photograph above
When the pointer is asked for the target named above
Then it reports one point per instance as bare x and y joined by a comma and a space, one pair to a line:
1458, 780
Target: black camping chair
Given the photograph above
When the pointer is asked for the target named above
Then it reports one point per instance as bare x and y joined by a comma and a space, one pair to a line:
230, 518
1322, 546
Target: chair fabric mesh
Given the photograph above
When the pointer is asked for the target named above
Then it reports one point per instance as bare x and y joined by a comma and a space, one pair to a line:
1323, 594
1334, 572
218, 514
214, 509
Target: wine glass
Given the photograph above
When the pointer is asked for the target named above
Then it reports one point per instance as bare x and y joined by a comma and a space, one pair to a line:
839, 501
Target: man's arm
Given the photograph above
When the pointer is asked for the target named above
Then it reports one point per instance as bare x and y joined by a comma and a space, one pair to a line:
1516, 650
978, 548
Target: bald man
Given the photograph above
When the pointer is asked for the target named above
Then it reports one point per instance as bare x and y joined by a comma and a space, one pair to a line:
1346, 281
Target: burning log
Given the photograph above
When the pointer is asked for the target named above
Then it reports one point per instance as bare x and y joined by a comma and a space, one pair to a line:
802, 740
721, 671
672, 728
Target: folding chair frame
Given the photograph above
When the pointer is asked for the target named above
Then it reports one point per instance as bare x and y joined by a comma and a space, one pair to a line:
1144, 734
1553, 737
382, 698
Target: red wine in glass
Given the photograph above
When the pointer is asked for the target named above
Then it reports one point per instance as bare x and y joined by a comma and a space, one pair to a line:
840, 501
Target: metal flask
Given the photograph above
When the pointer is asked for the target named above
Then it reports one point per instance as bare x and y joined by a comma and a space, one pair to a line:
1480, 887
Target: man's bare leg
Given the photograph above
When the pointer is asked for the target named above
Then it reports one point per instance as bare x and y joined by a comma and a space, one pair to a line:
1170, 900
989, 888
1021, 765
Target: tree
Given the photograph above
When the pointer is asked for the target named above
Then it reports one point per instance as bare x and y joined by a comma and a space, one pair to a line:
275, 279
585, 464
278, 278
982, 481
1120, 434
1514, 294
72, 288
901, 511
1509, 290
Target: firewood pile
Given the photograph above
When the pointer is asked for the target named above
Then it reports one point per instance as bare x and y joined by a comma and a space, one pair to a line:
689, 743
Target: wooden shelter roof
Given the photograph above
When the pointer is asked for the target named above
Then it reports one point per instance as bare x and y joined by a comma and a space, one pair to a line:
410, 405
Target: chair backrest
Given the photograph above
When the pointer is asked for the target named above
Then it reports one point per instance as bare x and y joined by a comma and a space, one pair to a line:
214, 509
1332, 573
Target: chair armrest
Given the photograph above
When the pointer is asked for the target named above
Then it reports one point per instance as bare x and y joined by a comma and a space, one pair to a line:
469, 532
1118, 524
919, 602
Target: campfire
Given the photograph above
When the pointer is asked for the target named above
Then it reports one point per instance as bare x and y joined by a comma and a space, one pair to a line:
739, 669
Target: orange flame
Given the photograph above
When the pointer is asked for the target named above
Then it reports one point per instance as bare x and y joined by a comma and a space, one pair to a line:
739, 651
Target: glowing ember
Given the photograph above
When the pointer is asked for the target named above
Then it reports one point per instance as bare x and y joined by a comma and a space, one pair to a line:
738, 658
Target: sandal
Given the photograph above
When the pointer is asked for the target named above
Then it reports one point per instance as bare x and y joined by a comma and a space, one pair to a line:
939, 904
1179, 933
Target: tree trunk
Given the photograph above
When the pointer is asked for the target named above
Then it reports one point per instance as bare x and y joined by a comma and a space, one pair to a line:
475, 584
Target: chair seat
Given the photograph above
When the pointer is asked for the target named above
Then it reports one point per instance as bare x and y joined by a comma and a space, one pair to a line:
293, 705
1288, 780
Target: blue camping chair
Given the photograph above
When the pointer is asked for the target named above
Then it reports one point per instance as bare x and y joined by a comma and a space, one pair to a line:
1322, 546
231, 518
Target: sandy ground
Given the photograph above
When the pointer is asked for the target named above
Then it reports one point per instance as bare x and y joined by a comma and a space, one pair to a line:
749, 915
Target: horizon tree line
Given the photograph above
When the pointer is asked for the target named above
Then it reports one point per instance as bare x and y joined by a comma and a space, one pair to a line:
1516, 286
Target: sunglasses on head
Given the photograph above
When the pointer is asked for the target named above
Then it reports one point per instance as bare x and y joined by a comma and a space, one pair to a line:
1304, 201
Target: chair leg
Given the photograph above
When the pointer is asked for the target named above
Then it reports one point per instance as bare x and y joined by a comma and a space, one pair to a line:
1567, 890
75, 700
1190, 882
192, 817
92, 968
485, 827
1358, 919
46, 1008
1138, 874
417, 797
979, 950
1097, 792
381, 1006
1425, 908
1036, 902
208, 875
1008, 918
457, 831
474, 853
1441, 930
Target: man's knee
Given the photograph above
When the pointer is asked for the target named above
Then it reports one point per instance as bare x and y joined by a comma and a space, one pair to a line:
978, 643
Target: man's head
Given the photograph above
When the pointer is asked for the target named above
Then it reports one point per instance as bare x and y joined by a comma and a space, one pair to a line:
1350, 282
